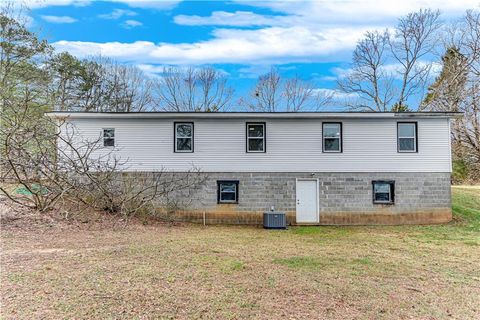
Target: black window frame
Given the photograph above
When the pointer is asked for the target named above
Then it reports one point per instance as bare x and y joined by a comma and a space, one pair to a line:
415, 123
219, 183
341, 137
104, 138
264, 124
392, 192
175, 123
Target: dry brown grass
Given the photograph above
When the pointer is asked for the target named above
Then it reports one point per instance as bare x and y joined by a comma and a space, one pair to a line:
191, 271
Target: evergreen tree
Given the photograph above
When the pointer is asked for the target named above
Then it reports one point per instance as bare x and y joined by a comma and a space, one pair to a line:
447, 92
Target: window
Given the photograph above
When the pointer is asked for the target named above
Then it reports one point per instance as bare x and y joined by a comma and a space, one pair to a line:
407, 136
183, 137
256, 137
383, 192
227, 191
332, 136
109, 137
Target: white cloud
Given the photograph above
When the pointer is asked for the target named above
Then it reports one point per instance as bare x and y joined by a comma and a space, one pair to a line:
253, 71
315, 13
393, 70
304, 31
35, 4
130, 24
235, 19
268, 45
360, 11
117, 14
59, 19
335, 94
256, 70
151, 69
157, 71
159, 4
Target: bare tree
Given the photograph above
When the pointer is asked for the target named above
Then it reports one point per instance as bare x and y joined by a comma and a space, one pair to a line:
127, 87
98, 84
389, 68
457, 88
50, 161
190, 89
266, 95
369, 79
414, 38
43, 161
272, 93
298, 94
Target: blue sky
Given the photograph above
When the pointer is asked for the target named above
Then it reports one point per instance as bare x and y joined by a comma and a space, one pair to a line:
313, 39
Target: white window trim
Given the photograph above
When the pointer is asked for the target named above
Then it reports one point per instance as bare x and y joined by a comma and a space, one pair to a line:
114, 138
190, 137
258, 138
414, 137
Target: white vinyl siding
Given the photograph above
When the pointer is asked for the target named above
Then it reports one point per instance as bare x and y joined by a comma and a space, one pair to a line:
294, 145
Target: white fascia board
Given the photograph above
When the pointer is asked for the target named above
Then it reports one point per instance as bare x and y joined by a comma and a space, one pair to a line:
249, 115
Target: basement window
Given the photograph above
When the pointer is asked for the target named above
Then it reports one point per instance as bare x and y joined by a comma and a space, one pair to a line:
109, 137
383, 192
256, 137
183, 137
407, 136
227, 191
332, 136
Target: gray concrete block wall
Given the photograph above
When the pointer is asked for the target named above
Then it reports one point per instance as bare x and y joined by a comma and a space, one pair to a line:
339, 192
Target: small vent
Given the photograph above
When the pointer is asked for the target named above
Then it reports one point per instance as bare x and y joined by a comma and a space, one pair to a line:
274, 220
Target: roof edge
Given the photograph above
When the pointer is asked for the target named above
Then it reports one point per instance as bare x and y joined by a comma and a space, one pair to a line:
226, 115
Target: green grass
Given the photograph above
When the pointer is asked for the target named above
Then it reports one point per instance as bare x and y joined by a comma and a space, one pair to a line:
329, 232
299, 262
465, 225
363, 261
466, 207
233, 265
192, 271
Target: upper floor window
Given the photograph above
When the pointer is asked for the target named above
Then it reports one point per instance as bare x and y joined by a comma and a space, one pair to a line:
407, 136
332, 137
183, 137
109, 137
256, 137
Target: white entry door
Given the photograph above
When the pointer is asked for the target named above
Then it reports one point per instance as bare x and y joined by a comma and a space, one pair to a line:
307, 201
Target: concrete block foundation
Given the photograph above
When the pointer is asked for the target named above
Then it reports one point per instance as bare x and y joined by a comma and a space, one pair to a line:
344, 198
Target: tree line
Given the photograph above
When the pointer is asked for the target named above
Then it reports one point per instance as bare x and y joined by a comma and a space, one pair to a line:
420, 64
393, 70
44, 164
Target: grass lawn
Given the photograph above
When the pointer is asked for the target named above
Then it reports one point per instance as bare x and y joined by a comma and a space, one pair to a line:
191, 271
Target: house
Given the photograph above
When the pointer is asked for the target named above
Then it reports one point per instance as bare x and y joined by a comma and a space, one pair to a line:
327, 168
